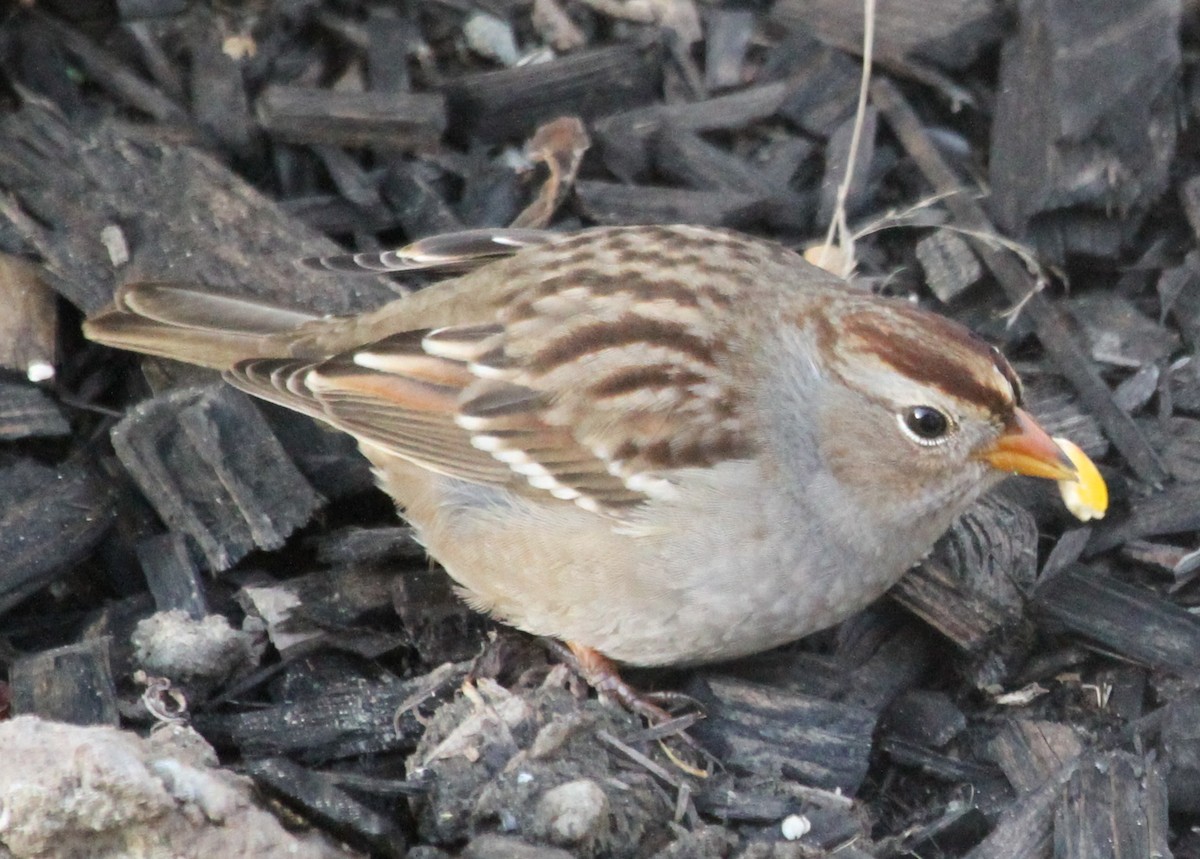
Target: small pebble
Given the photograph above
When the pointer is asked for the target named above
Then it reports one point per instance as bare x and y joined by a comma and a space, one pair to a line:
795, 826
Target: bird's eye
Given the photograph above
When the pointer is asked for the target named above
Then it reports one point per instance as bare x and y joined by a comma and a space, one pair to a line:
925, 423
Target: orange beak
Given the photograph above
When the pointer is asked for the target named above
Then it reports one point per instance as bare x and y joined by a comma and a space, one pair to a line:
1026, 448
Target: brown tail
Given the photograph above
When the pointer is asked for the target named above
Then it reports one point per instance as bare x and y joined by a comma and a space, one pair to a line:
187, 324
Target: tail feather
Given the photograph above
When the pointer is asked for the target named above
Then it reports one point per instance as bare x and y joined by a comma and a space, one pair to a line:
460, 251
185, 306
185, 324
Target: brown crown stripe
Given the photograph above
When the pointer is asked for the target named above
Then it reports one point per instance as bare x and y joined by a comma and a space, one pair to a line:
640, 378
625, 331
943, 369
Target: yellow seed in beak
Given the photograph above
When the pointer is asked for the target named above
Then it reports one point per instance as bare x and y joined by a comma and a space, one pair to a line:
1086, 496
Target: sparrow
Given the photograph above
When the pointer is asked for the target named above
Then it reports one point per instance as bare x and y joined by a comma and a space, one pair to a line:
662, 445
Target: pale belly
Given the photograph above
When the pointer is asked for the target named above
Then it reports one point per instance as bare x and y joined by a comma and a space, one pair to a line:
711, 582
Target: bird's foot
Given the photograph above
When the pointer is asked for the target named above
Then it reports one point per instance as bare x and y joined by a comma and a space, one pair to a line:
668, 715
659, 709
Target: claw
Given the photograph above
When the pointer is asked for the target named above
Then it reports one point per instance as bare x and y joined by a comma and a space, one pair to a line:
602, 674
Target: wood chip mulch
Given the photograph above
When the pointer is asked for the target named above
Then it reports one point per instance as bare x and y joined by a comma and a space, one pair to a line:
173, 554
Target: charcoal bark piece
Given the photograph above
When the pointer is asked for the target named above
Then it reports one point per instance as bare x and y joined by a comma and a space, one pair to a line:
28, 412
348, 176
1117, 333
692, 161
1189, 196
727, 38
392, 35
723, 798
1173, 510
1085, 113
1031, 751
625, 137
1182, 563
1181, 752
367, 546
971, 589
37, 58
154, 57
29, 323
1049, 321
1179, 293
408, 187
174, 581
1125, 691
772, 733
50, 518
956, 827
1026, 829
688, 158
947, 32
336, 723
329, 460
384, 121
437, 622
1063, 233
135, 10
332, 213
1182, 385
1067, 550
306, 607
610, 203
210, 466
1125, 619
115, 76
993, 547
318, 798
938, 765
924, 717
939, 597
1113, 807
780, 160
510, 103
950, 265
897, 664
822, 83
493, 192
187, 218
732, 799
1177, 441
837, 160
218, 93
71, 684
1134, 392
